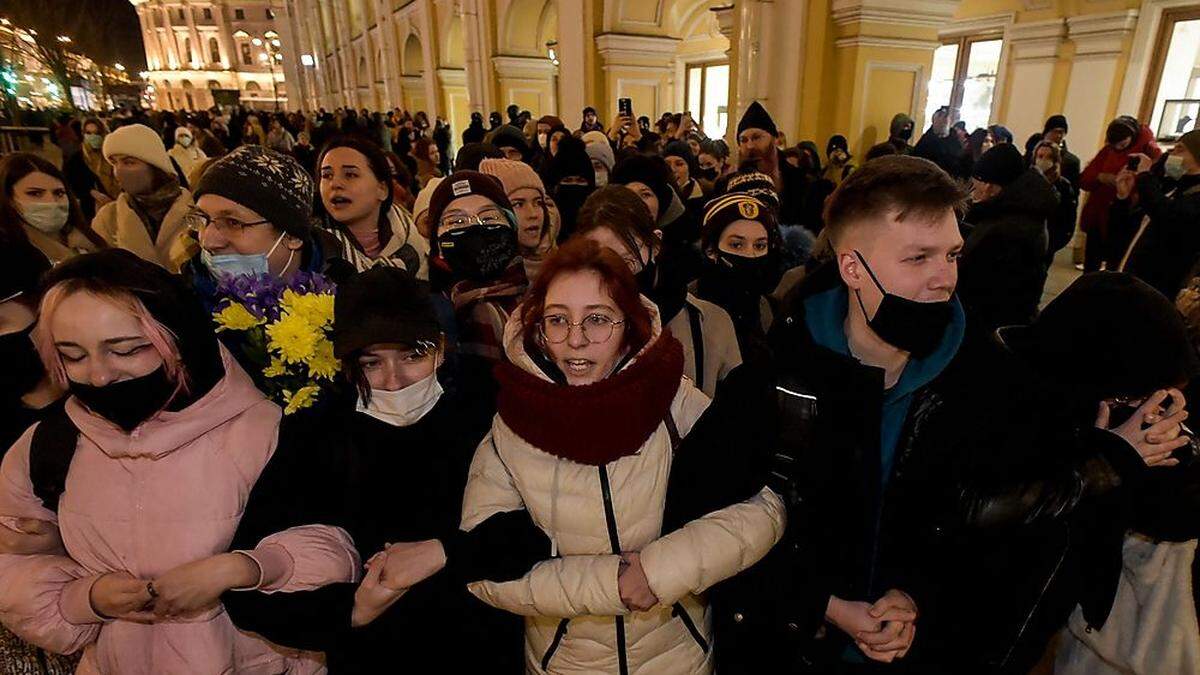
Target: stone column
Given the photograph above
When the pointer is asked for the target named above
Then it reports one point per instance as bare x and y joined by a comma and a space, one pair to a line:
198, 46
345, 54
1100, 42
387, 35
477, 24
574, 39
171, 42
1034, 50
431, 56
229, 55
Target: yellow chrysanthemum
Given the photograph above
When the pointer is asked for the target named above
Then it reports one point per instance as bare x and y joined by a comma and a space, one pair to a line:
315, 308
276, 368
293, 338
303, 398
236, 317
323, 363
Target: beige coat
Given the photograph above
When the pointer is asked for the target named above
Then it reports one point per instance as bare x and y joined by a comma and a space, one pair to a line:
717, 337
54, 249
121, 227
565, 499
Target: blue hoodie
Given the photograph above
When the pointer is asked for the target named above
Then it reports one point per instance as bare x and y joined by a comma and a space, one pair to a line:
825, 316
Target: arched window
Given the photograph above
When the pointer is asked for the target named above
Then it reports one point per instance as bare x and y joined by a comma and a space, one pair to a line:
214, 51
247, 59
213, 84
187, 50
253, 86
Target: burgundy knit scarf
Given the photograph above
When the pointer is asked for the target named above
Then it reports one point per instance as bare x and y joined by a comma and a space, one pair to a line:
594, 423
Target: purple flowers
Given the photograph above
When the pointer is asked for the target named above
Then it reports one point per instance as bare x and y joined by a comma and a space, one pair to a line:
261, 295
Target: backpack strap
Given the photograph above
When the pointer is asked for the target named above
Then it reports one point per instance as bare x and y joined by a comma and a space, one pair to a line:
672, 431
693, 313
50, 455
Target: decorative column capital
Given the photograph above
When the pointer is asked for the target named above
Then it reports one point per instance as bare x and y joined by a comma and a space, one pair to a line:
923, 13
1036, 40
1101, 34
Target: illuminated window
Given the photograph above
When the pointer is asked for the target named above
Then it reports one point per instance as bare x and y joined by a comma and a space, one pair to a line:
707, 96
964, 78
1172, 97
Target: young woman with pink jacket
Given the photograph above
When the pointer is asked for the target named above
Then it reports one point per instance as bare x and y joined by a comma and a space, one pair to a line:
139, 483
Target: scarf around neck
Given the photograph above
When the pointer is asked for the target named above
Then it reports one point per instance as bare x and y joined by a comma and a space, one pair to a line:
152, 207
596, 423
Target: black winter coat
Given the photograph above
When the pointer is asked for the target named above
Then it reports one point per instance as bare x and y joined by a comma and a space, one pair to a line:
383, 484
1169, 247
988, 483
1061, 227
945, 151
1003, 267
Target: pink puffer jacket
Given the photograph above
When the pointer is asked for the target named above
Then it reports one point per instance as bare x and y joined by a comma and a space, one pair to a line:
169, 493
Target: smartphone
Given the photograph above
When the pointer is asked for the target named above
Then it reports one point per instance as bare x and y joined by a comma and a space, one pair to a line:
1132, 163
625, 107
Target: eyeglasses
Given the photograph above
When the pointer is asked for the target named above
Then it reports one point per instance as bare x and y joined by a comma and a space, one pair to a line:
596, 328
197, 220
487, 218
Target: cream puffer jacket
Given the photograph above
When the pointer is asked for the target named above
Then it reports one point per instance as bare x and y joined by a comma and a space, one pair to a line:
575, 619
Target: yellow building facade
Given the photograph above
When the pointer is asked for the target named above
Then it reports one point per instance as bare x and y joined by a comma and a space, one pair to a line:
819, 66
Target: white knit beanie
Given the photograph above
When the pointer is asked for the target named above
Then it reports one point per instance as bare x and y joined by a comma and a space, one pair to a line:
424, 197
140, 142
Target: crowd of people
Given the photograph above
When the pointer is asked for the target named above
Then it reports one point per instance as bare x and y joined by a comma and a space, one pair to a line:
615, 399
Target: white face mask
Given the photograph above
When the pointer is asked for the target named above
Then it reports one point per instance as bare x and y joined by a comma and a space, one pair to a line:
404, 407
46, 217
1173, 167
185, 141
601, 178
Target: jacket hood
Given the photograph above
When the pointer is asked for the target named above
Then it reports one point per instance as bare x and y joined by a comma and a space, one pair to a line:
1030, 193
899, 122
168, 431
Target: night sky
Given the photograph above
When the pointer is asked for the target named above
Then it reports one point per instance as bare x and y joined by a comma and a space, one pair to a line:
105, 30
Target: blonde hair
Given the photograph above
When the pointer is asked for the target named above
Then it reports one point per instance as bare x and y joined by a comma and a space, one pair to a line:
159, 336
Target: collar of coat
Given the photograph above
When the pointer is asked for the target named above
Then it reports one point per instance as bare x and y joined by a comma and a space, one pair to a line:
595, 423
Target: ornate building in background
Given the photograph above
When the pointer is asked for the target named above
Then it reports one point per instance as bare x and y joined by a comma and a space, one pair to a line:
821, 67
205, 52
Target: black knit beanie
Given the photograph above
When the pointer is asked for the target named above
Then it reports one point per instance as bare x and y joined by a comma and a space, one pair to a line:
382, 305
757, 185
756, 117
470, 155
461, 184
1001, 165
1055, 122
271, 184
570, 160
1113, 319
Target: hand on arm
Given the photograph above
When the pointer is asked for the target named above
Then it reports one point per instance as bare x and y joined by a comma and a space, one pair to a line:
632, 584
409, 563
197, 586
119, 595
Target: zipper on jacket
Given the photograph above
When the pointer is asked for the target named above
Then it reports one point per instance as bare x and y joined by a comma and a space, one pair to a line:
1041, 595
614, 542
558, 636
686, 618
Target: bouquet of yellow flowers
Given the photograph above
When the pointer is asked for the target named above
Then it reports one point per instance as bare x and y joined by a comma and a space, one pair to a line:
279, 331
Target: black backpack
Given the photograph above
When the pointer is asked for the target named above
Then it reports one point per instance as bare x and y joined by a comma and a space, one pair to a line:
50, 455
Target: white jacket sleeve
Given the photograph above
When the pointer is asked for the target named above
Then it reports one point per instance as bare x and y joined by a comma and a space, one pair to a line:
570, 586
560, 587
711, 549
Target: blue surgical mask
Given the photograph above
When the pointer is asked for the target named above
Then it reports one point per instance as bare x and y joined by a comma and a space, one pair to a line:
241, 264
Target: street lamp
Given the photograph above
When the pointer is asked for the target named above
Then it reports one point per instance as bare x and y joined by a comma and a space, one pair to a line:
271, 54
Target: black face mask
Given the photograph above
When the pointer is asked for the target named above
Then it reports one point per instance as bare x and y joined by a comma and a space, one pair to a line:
127, 403
480, 252
708, 174
915, 327
905, 133
570, 199
758, 276
22, 367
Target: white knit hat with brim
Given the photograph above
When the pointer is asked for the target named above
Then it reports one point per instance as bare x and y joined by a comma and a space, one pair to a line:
140, 142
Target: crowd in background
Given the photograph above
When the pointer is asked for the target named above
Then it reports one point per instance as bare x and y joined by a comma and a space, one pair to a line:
617, 398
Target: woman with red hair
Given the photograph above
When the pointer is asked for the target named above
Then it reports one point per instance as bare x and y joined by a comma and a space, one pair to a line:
592, 404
